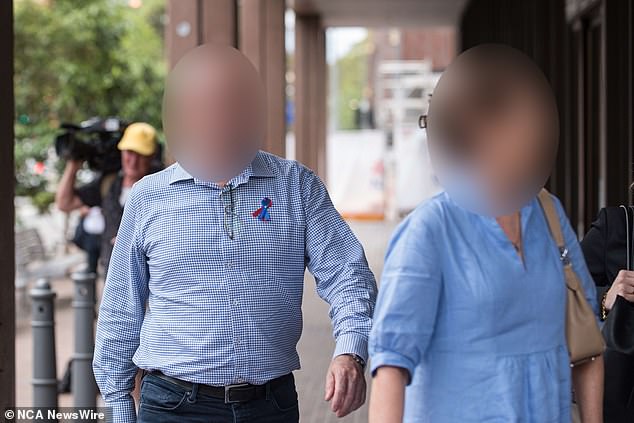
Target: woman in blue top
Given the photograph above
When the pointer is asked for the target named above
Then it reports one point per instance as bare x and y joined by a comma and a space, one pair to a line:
471, 309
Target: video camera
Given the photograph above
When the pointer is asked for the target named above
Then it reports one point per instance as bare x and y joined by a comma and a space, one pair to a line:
94, 140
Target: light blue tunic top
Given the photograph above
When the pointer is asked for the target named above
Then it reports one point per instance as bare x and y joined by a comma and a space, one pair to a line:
482, 332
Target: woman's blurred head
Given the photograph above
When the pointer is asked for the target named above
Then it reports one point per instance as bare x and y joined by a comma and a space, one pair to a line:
493, 129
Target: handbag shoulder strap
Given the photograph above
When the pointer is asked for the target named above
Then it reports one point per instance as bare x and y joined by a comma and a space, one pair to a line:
628, 232
552, 218
631, 239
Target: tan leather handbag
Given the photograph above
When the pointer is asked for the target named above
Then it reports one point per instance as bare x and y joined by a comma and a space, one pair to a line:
583, 336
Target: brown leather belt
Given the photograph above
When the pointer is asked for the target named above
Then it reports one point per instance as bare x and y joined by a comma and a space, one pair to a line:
241, 392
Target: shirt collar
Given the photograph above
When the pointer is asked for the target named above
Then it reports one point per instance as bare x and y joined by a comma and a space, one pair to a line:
179, 174
259, 167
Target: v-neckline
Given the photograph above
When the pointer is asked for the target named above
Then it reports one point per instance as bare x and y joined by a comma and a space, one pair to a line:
518, 249
506, 243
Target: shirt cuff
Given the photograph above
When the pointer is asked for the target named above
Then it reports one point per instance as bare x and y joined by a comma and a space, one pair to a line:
392, 359
122, 411
352, 343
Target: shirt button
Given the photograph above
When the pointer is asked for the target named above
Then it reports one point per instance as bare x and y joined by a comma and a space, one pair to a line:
229, 265
235, 302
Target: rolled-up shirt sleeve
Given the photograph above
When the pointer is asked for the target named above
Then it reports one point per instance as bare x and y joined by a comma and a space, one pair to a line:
409, 295
121, 315
337, 261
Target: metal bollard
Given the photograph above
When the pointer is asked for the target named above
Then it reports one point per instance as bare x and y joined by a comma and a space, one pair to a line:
44, 379
84, 387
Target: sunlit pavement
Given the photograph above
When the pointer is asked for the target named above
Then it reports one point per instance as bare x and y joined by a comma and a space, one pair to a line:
315, 347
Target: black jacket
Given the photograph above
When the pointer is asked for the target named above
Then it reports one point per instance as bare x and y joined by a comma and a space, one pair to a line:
605, 247
605, 250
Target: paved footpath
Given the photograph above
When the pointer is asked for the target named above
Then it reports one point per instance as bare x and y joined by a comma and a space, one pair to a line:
315, 347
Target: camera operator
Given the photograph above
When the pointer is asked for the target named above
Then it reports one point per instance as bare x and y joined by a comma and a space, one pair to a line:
138, 150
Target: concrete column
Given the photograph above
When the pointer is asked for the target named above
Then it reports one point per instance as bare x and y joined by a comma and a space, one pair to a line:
219, 21
195, 22
191, 23
310, 93
7, 258
182, 31
261, 39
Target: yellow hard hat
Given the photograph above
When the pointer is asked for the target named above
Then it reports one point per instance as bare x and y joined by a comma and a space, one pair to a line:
139, 137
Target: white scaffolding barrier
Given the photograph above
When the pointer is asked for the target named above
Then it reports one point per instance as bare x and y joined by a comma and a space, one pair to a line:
356, 173
402, 92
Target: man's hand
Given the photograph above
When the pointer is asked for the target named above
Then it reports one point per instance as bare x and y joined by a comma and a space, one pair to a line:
345, 385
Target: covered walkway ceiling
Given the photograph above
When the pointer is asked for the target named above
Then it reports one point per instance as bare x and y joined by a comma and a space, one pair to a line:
381, 13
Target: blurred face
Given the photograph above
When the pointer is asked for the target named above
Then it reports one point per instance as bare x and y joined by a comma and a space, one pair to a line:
213, 113
134, 165
492, 129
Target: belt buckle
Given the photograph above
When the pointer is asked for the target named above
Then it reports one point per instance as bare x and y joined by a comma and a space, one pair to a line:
228, 389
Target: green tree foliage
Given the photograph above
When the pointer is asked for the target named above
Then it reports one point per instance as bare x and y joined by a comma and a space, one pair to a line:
352, 74
80, 58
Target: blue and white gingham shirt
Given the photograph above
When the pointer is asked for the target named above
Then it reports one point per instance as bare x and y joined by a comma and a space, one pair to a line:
221, 310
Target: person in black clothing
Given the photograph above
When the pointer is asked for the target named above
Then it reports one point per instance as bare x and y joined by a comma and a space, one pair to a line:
605, 251
90, 240
138, 150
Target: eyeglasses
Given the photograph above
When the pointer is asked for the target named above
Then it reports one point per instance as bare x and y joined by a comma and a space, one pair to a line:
231, 219
422, 121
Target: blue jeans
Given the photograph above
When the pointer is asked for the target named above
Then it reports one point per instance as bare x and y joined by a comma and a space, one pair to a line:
163, 402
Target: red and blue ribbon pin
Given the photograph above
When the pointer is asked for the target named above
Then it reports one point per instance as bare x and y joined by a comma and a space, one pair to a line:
263, 212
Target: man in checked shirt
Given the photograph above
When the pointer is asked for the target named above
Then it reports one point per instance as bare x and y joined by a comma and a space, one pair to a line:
216, 245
